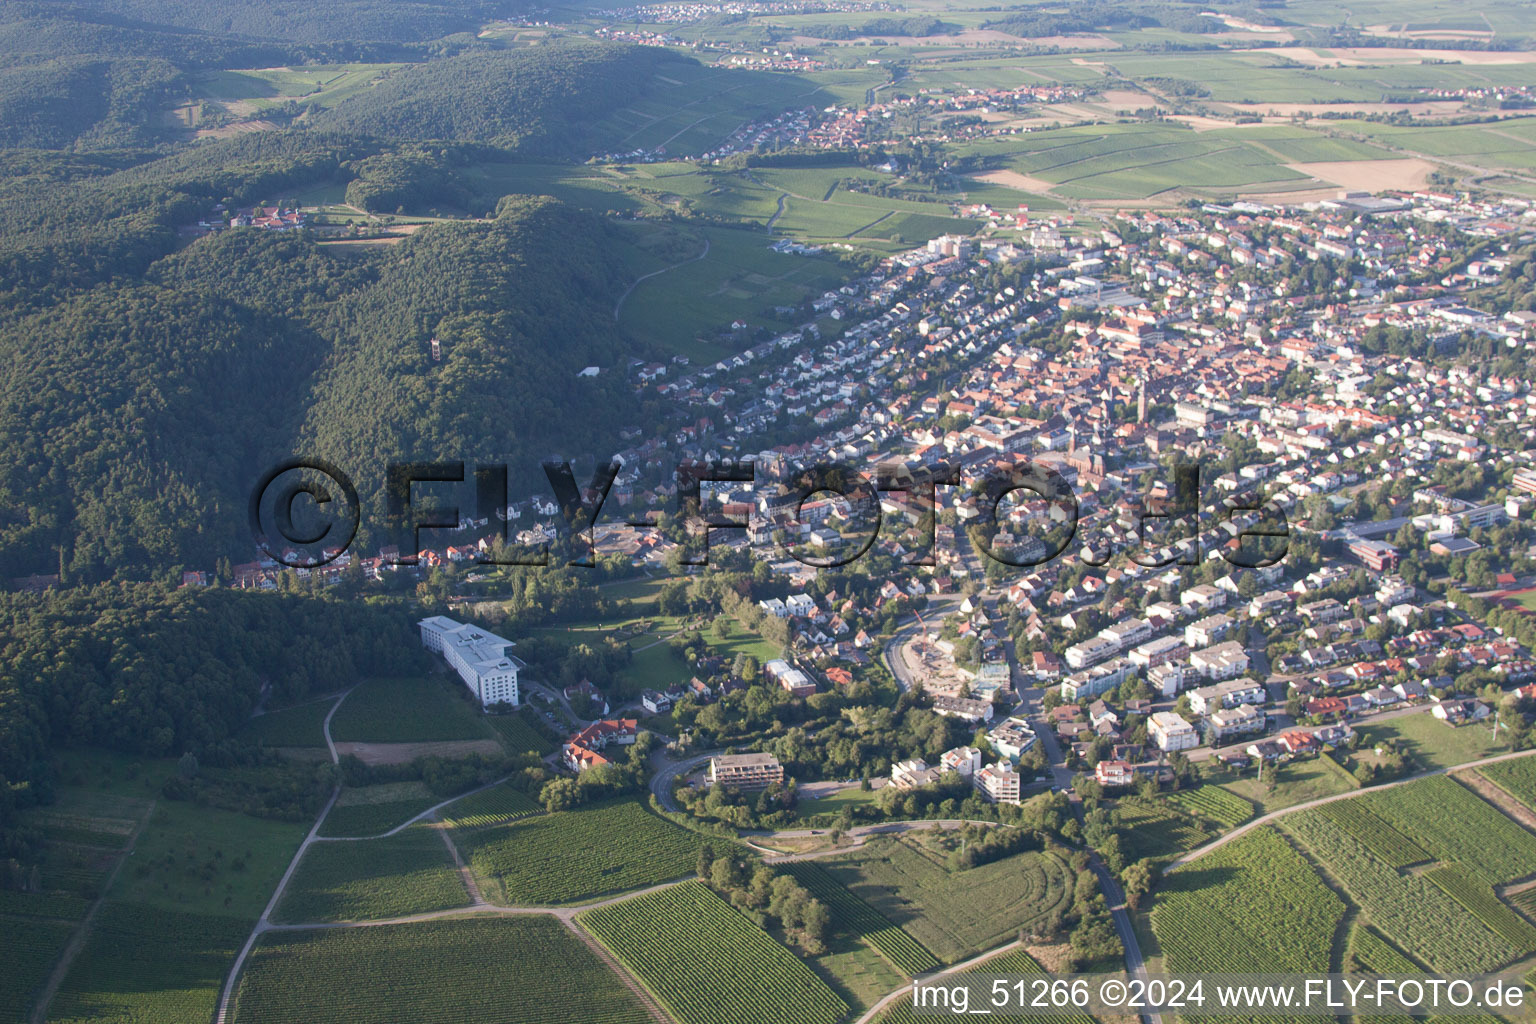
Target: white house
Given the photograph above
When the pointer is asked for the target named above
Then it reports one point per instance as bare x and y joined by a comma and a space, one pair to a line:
478, 656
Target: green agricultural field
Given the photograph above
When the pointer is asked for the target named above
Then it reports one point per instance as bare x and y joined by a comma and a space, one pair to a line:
740, 278
28, 949
1516, 777
745, 976
518, 736
1433, 743
1015, 962
504, 970
575, 855
1420, 917
1386, 842
409, 710
1456, 825
1374, 954
589, 187
300, 726
1478, 898
320, 84
953, 913
149, 965
1214, 804
691, 110
374, 810
1254, 905
495, 806
856, 918
409, 873
1160, 832
200, 860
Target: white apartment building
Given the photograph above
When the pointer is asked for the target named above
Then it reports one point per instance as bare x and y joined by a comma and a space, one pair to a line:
1206, 631
1223, 661
965, 761
477, 655
1012, 737
1170, 732
999, 784
1237, 721
1228, 693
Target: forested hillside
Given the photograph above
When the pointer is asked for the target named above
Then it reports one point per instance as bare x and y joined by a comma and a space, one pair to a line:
142, 412
93, 102
144, 669
535, 101
307, 21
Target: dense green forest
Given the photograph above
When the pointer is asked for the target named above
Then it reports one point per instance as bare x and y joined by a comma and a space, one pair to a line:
312, 21
141, 412
148, 670
532, 101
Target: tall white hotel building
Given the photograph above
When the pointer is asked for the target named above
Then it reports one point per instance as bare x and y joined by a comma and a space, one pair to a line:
480, 658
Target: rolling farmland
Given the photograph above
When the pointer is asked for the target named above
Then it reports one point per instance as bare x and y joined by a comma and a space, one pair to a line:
1419, 916
28, 949
1013, 962
853, 916
1517, 778
490, 971
1159, 830
1455, 824
407, 710
953, 913
1478, 898
407, 873
1254, 905
1213, 804
1386, 842
575, 855
495, 806
658, 936
373, 810
143, 965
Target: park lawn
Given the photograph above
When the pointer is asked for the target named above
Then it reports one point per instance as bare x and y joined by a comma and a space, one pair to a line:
299, 726
851, 797
707, 963
502, 970
657, 667
408, 873
570, 856
28, 949
953, 913
150, 965
1296, 782
1432, 742
373, 810
408, 710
